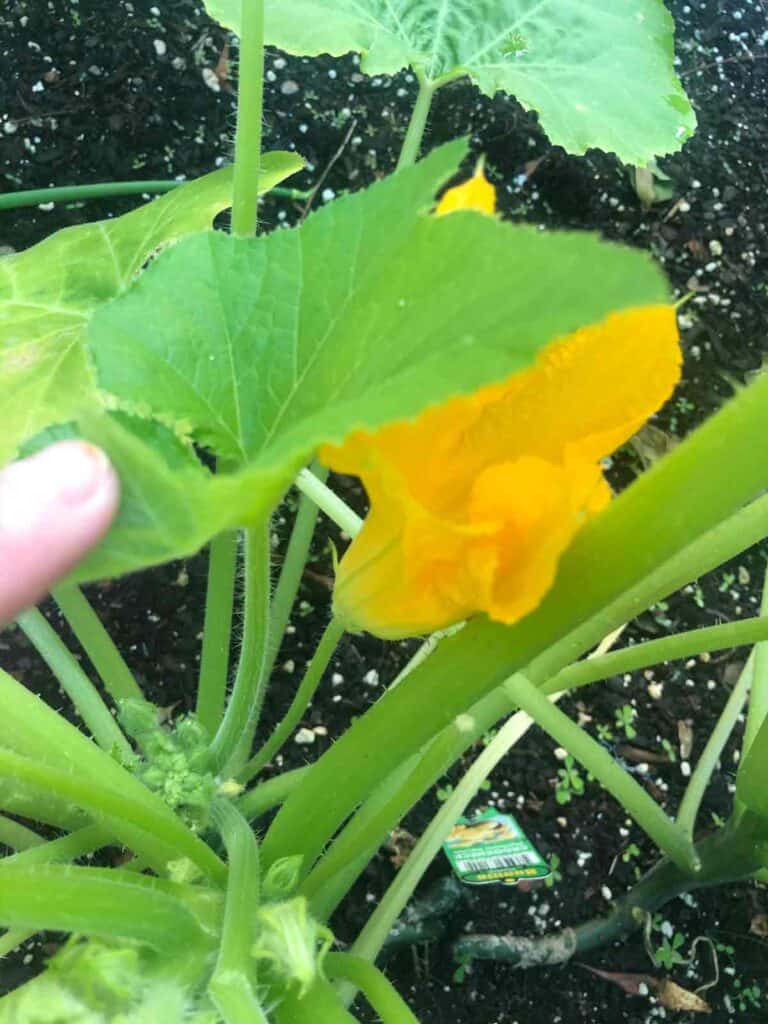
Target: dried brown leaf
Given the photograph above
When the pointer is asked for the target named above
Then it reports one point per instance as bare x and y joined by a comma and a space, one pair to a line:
685, 736
675, 997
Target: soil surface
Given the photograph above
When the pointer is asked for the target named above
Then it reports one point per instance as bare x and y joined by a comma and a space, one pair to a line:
95, 91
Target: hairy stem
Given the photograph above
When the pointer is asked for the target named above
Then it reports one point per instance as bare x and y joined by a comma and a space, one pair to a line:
74, 682
694, 792
306, 691
269, 794
293, 566
230, 986
97, 643
653, 652
219, 601
388, 1004
250, 85
232, 742
409, 154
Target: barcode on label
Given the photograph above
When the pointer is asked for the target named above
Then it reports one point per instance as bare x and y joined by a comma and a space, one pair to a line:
513, 860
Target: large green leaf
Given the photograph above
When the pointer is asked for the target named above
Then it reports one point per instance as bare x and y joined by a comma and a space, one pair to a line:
752, 778
599, 72
262, 349
49, 293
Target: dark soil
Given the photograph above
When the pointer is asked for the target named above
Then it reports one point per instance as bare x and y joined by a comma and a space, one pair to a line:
96, 91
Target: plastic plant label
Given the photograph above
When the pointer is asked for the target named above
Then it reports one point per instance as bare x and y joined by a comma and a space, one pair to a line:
492, 847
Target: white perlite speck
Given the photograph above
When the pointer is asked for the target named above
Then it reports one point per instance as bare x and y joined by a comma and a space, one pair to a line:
304, 737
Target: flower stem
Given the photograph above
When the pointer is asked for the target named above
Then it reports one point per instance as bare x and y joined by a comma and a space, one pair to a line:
74, 681
269, 794
97, 644
653, 652
232, 742
409, 154
293, 566
250, 84
694, 792
387, 1003
219, 600
649, 816
336, 509
306, 691
76, 193
758, 701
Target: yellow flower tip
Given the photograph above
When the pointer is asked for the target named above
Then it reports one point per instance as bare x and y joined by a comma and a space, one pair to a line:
474, 502
477, 193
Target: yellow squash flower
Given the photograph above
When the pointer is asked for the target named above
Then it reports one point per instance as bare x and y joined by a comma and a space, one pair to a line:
473, 502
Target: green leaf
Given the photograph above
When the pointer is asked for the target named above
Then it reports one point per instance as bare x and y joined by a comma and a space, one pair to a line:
49, 293
263, 349
599, 72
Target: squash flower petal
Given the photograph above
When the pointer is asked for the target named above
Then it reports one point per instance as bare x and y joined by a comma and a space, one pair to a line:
473, 502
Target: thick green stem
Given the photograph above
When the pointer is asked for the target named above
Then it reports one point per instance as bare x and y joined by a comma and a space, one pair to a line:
758, 701
97, 643
320, 1005
388, 1004
232, 742
306, 691
634, 799
219, 600
330, 503
409, 154
653, 652
694, 792
269, 794
74, 682
250, 84
293, 566
17, 836
379, 924
230, 986
61, 850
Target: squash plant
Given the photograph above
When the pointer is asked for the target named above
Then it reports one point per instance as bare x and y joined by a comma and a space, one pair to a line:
473, 372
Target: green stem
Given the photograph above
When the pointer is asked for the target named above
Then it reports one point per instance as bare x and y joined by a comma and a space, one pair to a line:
250, 84
653, 652
95, 901
232, 742
97, 644
230, 986
758, 701
13, 938
269, 794
649, 816
387, 1003
379, 924
159, 835
333, 506
320, 1005
17, 836
75, 683
62, 850
76, 193
694, 792
306, 691
293, 566
219, 601
409, 154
